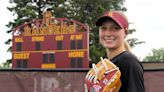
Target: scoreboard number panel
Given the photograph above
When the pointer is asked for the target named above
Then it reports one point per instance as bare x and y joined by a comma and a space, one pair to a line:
50, 43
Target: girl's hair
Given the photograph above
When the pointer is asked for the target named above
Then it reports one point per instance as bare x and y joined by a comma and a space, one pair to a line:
127, 46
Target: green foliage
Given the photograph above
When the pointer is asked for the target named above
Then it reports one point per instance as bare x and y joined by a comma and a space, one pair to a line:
8, 41
157, 55
133, 42
85, 11
5, 65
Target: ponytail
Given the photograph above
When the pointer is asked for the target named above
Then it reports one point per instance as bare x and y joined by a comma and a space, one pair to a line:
127, 46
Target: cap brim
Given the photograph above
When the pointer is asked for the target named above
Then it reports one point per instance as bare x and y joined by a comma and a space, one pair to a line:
106, 18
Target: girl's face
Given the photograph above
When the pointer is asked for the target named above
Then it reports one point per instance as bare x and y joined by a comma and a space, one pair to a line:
111, 35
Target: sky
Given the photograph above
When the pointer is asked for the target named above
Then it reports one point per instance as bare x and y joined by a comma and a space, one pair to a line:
5, 17
146, 17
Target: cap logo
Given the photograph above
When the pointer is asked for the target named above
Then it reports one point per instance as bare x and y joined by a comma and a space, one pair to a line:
110, 14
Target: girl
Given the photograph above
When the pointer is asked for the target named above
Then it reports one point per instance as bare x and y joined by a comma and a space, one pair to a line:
113, 29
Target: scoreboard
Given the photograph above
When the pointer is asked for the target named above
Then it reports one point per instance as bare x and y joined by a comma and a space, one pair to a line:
51, 43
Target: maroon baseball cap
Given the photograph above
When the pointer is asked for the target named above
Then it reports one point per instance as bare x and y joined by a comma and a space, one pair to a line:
116, 16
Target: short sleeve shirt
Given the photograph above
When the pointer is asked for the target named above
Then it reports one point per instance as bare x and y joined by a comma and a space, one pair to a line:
131, 72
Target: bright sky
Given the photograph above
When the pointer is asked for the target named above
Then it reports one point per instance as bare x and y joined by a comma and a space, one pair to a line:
146, 15
5, 17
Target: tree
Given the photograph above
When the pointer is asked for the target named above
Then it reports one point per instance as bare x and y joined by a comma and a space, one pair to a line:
27, 10
85, 11
5, 65
157, 55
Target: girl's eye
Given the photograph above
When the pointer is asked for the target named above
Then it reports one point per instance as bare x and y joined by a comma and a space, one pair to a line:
103, 28
117, 28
